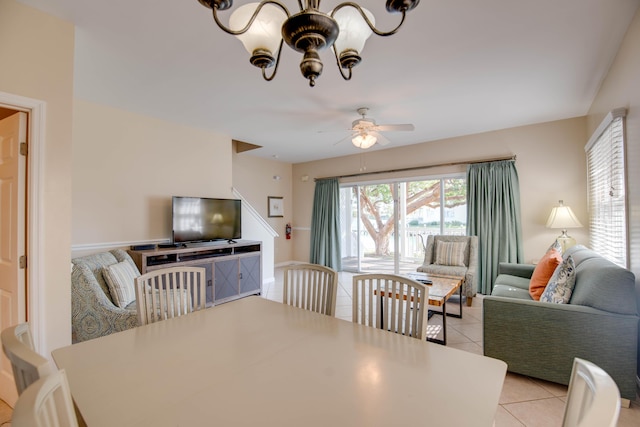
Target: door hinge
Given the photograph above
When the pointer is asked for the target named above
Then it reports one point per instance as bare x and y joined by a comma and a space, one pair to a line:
24, 149
23, 262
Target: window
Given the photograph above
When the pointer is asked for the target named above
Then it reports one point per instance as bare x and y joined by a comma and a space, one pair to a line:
385, 224
607, 189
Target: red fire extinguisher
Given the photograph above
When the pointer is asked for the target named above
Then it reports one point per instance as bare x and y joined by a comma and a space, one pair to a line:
287, 231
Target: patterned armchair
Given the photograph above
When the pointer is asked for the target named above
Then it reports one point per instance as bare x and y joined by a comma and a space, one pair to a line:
443, 260
93, 313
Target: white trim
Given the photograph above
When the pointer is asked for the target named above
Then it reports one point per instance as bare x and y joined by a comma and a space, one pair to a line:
106, 246
611, 116
246, 206
37, 111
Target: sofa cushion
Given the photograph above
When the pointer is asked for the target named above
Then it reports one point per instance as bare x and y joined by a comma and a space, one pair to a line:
561, 284
543, 272
121, 278
515, 281
603, 285
511, 292
450, 253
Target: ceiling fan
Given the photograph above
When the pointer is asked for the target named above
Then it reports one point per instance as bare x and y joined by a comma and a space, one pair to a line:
365, 132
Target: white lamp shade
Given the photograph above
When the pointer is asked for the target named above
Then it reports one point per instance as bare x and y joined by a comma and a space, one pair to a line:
364, 140
265, 32
562, 217
354, 31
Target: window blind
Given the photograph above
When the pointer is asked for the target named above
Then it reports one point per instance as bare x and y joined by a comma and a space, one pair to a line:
607, 189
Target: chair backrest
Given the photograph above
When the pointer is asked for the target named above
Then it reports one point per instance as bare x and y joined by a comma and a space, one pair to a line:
312, 287
391, 302
593, 399
28, 366
46, 403
170, 292
470, 251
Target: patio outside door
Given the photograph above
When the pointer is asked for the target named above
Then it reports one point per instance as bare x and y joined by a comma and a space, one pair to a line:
385, 225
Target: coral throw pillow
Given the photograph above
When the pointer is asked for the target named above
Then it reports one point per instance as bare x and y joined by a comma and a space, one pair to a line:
543, 272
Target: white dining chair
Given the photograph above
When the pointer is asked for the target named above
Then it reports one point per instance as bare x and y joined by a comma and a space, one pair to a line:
28, 366
593, 399
312, 287
170, 292
391, 302
46, 403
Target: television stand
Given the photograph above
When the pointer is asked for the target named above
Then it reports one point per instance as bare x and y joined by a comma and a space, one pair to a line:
233, 269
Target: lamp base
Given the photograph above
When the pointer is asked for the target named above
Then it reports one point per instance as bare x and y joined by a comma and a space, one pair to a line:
565, 241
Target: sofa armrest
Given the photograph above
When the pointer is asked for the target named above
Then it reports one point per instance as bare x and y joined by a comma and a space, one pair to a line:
513, 269
541, 339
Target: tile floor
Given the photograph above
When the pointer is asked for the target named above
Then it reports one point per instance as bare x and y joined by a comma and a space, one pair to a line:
524, 401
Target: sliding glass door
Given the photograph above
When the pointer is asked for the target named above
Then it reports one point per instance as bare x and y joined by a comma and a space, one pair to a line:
384, 225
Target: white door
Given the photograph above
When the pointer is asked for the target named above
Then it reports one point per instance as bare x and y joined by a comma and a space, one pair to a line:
13, 301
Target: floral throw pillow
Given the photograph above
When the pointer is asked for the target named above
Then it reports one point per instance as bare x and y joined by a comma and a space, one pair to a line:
561, 284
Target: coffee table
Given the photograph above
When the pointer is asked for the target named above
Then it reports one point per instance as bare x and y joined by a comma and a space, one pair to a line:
440, 290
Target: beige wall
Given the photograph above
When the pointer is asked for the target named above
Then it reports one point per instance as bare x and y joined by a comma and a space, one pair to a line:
550, 164
621, 89
36, 51
253, 177
126, 167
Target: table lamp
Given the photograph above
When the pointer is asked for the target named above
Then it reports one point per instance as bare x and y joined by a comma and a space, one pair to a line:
563, 217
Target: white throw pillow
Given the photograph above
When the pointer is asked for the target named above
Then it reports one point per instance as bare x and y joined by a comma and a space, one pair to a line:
121, 278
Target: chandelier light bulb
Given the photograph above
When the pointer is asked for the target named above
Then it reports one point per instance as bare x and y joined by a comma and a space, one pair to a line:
265, 33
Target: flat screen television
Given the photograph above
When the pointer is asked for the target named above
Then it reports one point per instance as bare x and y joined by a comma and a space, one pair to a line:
200, 219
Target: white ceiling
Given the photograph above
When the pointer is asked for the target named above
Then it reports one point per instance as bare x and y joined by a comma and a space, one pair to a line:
456, 67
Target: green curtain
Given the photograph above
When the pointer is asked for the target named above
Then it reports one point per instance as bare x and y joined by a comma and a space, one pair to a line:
493, 214
325, 224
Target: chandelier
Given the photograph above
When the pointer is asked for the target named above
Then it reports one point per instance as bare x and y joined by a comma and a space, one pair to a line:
262, 28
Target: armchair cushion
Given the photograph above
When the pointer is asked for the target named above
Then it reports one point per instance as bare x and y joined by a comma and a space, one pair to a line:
121, 280
450, 253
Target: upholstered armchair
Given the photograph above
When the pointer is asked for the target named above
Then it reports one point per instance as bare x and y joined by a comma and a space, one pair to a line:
453, 256
93, 312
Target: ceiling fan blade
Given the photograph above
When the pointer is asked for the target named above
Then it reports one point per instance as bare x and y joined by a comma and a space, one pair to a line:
382, 140
342, 140
390, 128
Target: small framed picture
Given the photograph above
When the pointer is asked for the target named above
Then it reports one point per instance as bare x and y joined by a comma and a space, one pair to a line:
275, 207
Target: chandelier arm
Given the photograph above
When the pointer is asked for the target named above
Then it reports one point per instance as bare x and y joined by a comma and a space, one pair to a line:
253, 17
369, 23
275, 68
344, 76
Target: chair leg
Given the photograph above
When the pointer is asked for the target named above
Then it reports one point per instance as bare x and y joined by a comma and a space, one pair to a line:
469, 301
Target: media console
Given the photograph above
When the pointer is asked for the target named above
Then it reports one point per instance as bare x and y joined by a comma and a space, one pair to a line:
233, 270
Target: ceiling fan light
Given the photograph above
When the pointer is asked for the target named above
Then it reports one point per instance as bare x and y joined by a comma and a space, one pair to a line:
265, 32
354, 31
364, 141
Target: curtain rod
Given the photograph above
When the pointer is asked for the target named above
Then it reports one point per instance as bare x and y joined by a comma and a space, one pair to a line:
414, 168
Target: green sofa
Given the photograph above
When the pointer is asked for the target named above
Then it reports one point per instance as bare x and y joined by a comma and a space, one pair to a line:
540, 339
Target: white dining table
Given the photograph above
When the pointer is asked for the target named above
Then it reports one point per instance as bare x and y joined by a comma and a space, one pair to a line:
255, 362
